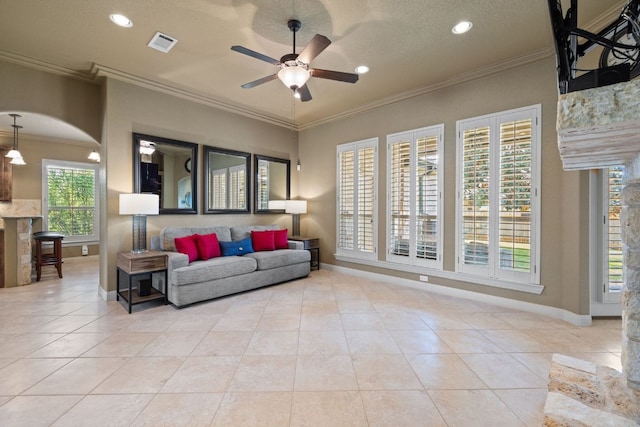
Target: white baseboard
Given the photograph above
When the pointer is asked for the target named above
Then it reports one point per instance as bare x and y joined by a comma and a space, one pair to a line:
556, 313
107, 296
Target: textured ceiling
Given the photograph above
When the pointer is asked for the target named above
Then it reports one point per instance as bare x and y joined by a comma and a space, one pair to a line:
408, 44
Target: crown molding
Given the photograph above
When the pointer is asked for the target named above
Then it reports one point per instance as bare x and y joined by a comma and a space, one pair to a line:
462, 78
45, 66
98, 70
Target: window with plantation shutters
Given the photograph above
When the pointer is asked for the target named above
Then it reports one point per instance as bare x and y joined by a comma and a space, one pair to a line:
498, 205
356, 199
70, 202
414, 197
612, 238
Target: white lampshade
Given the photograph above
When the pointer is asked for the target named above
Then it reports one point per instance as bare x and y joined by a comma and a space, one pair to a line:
294, 77
94, 155
139, 204
12, 154
18, 160
277, 204
296, 206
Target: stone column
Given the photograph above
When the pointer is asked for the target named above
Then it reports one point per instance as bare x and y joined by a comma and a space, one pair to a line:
630, 224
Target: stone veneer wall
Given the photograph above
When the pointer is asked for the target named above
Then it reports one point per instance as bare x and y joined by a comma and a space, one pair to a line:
630, 224
20, 208
598, 128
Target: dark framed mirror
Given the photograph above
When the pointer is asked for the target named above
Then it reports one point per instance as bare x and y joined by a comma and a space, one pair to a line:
272, 181
227, 176
168, 168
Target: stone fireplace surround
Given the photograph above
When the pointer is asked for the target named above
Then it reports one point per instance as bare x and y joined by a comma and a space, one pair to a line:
599, 128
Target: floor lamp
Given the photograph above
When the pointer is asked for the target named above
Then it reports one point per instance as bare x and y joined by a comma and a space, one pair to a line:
139, 205
296, 207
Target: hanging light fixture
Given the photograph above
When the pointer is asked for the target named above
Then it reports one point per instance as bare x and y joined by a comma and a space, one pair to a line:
95, 156
14, 154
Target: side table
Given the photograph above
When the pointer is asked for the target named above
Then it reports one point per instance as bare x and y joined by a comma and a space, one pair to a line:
312, 244
140, 264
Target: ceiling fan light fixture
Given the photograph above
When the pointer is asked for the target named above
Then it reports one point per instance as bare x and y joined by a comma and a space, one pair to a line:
362, 69
294, 77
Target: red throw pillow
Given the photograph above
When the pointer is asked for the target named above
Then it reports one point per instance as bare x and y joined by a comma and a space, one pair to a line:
187, 245
262, 240
208, 246
280, 239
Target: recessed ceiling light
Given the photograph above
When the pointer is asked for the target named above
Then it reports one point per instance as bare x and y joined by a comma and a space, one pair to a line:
121, 20
362, 69
462, 27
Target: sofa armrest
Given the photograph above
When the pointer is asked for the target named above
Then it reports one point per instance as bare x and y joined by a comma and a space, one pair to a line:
294, 244
176, 260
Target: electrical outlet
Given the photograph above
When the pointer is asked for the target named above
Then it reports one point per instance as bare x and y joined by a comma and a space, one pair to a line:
424, 278
85, 250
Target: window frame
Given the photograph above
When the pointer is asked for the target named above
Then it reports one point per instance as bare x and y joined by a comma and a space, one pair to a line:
493, 271
64, 164
412, 137
355, 147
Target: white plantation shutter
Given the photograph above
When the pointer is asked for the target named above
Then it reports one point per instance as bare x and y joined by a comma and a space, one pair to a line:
498, 205
475, 197
366, 198
356, 199
613, 242
262, 175
237, 179
399, 198
414, 188
515, 195
70, 199
218, 189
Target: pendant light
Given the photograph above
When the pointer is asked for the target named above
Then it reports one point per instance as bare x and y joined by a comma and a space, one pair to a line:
14, 154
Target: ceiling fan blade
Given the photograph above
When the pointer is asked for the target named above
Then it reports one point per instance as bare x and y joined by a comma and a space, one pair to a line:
334, 75
317, 44
305, 95
254, 54
260, 81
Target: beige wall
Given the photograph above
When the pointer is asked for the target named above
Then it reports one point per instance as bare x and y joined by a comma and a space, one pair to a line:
135, 109
564, 195
73, 101
130, 109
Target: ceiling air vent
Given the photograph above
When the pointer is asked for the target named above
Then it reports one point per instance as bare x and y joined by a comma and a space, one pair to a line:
162, 42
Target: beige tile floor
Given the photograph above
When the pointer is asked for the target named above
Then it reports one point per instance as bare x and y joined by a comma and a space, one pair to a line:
328, 350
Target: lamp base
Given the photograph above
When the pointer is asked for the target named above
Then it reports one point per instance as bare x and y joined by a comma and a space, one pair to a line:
295, 224
139, 231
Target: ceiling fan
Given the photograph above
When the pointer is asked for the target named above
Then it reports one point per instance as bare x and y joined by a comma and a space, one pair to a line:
294, 68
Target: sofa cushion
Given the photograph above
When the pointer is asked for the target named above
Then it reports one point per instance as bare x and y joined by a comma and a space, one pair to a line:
212, 269
279, 258
208, 246
168, 234
280, 239
187, 245
243, 231
239, 247
262, 240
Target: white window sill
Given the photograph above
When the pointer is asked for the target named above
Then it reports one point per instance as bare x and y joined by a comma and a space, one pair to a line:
451, 275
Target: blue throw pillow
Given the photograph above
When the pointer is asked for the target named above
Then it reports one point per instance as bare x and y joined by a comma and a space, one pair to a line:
239, 247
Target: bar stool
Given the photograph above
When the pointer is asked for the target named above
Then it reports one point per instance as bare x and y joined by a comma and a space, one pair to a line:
49, 258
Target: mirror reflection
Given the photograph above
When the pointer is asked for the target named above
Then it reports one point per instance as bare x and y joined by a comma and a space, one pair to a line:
227, 175
166, 167
272, 182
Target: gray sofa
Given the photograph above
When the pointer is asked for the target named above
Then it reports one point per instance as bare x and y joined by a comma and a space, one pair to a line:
226, 275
